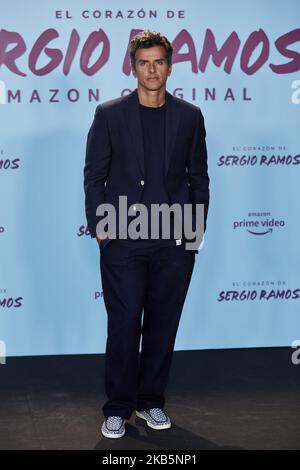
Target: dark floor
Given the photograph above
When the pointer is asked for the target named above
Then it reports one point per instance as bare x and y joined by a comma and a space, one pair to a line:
233, 399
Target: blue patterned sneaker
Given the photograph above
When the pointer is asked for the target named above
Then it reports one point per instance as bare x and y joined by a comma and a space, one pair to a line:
155, 418
114, 427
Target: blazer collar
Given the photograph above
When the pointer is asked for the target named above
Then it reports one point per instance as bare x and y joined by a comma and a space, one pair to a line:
132, 118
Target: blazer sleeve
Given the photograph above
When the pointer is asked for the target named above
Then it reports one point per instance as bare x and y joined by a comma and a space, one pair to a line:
198, 169
96, 168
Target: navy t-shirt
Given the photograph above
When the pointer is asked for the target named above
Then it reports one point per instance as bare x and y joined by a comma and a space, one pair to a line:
153, 121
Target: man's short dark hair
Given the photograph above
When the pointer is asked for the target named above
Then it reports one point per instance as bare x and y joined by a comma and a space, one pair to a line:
146, 39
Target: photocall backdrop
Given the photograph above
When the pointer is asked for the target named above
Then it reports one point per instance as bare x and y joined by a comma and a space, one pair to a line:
239, 62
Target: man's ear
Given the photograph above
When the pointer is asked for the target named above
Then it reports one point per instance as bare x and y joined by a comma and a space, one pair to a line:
170, 70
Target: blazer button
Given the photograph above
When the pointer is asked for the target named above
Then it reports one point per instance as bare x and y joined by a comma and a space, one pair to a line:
142, 182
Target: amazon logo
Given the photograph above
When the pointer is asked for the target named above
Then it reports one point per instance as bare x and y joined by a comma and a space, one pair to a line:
259, 224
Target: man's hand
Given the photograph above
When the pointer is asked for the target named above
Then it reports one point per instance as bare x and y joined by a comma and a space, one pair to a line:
98, 239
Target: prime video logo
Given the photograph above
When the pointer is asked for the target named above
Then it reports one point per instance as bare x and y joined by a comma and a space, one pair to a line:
259, 223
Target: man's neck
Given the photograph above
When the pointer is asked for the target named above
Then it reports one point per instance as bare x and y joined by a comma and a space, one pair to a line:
154, 99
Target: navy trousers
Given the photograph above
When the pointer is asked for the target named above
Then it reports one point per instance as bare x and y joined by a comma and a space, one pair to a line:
144, 289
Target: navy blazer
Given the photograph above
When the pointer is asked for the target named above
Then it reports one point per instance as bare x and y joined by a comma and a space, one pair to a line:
114, 163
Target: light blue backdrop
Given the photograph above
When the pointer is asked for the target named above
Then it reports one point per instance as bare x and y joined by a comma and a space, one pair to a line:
50, 285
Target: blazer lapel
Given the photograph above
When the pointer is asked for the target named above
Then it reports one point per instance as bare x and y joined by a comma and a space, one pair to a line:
172, 126
132, 118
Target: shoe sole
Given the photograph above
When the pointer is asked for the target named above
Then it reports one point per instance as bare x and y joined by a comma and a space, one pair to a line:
158, 427
112, 435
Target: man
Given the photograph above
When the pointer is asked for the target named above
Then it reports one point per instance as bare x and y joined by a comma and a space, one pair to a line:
150, 147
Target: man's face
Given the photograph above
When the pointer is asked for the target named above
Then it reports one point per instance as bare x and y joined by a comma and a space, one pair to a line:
151, 67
